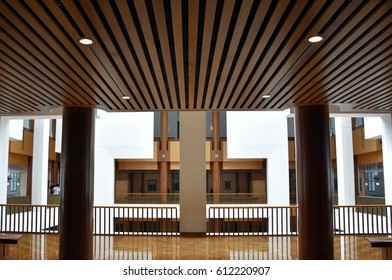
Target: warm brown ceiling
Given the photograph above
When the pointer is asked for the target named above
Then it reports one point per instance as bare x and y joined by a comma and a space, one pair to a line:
204, 54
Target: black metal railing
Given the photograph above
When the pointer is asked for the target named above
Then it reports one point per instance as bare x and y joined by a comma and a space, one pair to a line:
266, 220
221, 220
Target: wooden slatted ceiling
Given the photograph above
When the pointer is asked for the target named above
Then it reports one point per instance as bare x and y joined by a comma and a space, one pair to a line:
195, 54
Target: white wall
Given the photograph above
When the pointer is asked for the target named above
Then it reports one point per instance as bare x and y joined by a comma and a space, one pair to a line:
16, 130
119, 136
262, 135
373, 127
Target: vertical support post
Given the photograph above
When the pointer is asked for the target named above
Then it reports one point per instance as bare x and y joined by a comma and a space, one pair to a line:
386, 125
345, 160
77, 182
163, 157
39, 191
4, 152
314, 181
192, 172
216, 156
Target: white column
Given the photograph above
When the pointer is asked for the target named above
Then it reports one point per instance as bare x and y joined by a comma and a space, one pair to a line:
40, 162
4, 150
345, 160
387, 156
193, 172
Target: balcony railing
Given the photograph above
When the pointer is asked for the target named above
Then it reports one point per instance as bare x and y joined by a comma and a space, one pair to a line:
236, 198
173, 198
108, 220
147, 198
267, 220
146, 220
221, 220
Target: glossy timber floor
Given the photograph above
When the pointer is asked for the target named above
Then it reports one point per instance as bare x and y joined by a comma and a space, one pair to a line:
45, 247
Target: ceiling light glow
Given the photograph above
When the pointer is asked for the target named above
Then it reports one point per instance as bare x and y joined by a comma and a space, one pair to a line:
125, 97
266, 96
86, 41
316, 39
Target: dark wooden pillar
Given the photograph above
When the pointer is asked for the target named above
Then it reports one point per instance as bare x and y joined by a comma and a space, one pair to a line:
314, 182
77, 184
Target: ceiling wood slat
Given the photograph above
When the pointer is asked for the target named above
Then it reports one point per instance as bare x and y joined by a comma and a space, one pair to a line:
176, 10
234, 44
195, 55
99, 60
326, 52
254, 29
268, 33
159, 11
149, 37
342, 54
129, 23
96, 86
205, 49
113, 63
267, 73
227, 12
140, 96
193, 17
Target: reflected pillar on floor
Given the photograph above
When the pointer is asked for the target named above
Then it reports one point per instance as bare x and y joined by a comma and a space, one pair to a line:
77, 184
314, 181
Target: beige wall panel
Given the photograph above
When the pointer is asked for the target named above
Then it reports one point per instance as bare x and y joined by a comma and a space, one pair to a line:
18, 159
137, 165
174, 148
24, 147
362, 145
370, 157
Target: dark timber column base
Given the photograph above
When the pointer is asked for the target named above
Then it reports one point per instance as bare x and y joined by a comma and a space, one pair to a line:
314, 178
77, 184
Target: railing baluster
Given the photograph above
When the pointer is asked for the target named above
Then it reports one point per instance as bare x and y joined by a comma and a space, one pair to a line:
377, 220
372, 219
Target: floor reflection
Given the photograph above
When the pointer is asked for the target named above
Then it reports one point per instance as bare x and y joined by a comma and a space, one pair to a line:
45, 247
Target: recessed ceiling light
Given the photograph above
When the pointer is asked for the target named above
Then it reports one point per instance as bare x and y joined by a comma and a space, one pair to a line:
316, 39
86, 41
125, 97
266, 96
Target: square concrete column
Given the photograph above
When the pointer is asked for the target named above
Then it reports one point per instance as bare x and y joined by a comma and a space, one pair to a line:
314, 181
193, 172
77, 183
